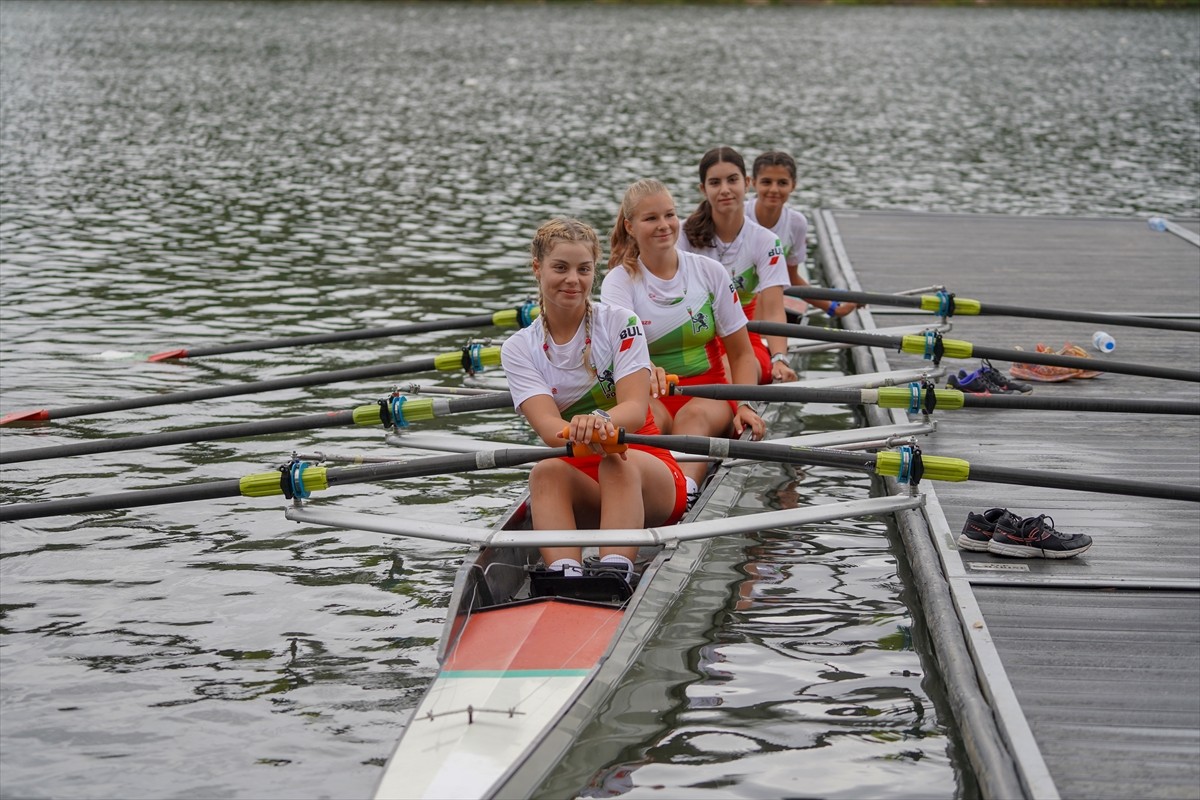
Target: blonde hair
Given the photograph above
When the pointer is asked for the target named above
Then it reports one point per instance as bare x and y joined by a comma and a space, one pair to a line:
551, 233
623, 248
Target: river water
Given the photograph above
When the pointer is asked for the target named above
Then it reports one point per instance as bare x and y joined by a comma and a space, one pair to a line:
188, 174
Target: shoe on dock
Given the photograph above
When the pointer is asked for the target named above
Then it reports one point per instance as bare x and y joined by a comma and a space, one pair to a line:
1036, 537
977, 531
1002, 382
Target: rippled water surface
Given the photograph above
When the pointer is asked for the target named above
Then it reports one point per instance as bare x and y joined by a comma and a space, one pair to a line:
192, 174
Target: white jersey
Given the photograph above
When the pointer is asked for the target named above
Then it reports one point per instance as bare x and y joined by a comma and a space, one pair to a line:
754, 260
792, 230
618, 349
682, 317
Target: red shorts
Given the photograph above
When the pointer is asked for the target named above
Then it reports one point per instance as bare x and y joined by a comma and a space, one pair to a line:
764, 358
590, 466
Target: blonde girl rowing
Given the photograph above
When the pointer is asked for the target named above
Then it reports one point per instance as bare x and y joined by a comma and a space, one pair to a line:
686, 305
584, 367
752, 255
774, 178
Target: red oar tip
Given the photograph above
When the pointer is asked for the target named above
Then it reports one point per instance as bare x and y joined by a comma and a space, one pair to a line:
168, 354
25, 416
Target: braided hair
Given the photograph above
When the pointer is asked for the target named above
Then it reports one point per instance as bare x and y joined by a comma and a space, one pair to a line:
563, 229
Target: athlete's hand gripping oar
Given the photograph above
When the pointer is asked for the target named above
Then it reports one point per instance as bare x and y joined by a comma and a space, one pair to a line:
934, 346
947, 304
918, 398
391, 412
470, 359
909, 464
520, 316
296, 479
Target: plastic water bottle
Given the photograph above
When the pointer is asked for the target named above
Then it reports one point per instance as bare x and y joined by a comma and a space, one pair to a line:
1157, 224
1103, 342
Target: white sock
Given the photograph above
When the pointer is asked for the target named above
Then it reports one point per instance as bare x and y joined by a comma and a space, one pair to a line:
569, 567
690, 485
617, 558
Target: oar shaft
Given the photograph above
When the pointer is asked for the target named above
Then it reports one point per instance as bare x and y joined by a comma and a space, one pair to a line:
446, 361
1083, 483
499, 318
946, 399
1118, 405
972, 307
110, 502
272, 484
414, 409
941, 468
956, 348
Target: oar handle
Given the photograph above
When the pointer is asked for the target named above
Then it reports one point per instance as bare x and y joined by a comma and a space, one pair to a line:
582, 450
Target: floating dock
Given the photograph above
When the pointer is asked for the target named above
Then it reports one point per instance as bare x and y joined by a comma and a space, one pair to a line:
1079, 677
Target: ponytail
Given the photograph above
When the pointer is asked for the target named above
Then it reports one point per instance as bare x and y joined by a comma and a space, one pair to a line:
699, 228
623, 248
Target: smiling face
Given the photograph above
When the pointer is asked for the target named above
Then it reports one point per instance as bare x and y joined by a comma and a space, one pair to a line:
773, 186
725, 187
654, 225
565, 274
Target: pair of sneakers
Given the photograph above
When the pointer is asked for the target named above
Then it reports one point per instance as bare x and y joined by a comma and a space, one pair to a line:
986, 380
1003, 533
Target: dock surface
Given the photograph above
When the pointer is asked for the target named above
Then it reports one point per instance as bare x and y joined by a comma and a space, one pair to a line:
1090, 666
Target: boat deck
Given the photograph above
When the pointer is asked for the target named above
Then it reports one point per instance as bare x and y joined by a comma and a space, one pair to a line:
1088, 668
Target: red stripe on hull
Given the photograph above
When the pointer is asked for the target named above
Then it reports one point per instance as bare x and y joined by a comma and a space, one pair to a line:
545, 635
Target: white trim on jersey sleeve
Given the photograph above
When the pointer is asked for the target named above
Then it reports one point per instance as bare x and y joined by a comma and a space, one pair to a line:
765, 245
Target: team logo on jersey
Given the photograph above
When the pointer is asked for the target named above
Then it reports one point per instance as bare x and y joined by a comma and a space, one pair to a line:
776, 252
630, 332
699, 320
739, 283
607, 384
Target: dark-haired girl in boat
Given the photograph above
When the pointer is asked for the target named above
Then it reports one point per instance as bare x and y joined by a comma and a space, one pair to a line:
752, 255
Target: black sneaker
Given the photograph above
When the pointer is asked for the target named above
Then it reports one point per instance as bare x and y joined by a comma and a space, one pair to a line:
1035, 537
978, 529
1002, 382
593, 566
971, 382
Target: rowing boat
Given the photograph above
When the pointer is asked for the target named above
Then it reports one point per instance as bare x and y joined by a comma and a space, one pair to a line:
520, 675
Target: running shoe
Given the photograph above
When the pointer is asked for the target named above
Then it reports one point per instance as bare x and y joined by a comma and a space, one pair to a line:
971, 382
1036, 537
977, 531
1002, 382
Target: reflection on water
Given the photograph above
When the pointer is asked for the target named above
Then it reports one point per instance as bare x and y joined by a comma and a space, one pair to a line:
190, 174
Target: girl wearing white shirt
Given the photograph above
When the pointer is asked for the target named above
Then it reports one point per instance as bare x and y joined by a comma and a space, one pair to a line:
687, 306
719, 229
774, 178
580, 371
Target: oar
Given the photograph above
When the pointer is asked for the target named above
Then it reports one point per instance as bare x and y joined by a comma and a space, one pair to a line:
505, 318
389, 412
917, 399
296, 479
938, 468
461, 359
949, 305
935, 347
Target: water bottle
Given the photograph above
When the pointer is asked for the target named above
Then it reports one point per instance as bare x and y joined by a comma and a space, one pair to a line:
1157, 224
1103, 342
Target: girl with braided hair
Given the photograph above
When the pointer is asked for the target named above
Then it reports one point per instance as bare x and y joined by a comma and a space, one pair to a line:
582, 370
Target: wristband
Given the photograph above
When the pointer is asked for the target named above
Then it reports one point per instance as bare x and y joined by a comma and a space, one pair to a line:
833, 307
779, 358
